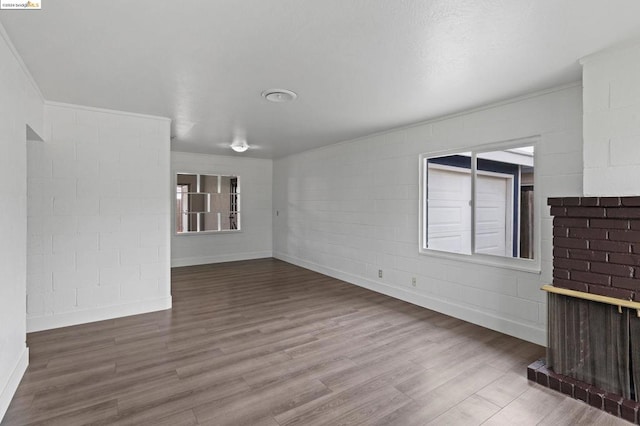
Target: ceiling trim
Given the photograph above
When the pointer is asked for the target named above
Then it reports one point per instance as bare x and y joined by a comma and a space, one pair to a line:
448, 116
231, 158
612, 50
497, 104
106, 111
18, 58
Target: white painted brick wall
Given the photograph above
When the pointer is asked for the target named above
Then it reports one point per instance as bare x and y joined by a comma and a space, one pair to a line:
350, 209
611, 82
98, 217
255, 238
20, 105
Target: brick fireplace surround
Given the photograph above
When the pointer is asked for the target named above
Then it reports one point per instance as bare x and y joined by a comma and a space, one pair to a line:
596, 245
596, 249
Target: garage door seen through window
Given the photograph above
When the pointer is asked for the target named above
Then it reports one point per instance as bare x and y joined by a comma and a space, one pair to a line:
479, 203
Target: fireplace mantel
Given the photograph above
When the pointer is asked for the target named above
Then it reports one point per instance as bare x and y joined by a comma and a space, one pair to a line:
620, 303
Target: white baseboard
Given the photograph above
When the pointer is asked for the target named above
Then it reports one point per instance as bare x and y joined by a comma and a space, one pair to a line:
98, 314
503, 325
233, 257
14, 380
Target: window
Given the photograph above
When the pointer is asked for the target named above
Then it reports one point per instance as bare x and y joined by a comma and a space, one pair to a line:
207, 203
479, 203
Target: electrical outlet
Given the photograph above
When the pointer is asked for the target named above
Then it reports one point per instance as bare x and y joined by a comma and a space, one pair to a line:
413, 281
379, 273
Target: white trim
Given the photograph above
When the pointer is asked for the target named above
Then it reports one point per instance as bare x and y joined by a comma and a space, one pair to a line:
488, 147
106, 111
207, 167
527, 265
97, 314
445, 117
14, 380
537, 335
18, 58
611, 50
211, 232
513, 263
233, 257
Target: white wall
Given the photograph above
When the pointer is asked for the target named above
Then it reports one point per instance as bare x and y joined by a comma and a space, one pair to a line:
98, 242
255, 238
20, 104
350, 209
612, 121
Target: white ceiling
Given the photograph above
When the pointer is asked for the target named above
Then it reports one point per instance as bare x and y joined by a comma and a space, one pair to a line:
358, 66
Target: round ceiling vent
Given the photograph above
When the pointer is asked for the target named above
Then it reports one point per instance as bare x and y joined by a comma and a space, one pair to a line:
279, 95
239, 145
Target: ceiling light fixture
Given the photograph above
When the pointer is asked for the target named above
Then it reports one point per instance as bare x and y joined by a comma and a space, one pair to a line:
279, 95
239, 145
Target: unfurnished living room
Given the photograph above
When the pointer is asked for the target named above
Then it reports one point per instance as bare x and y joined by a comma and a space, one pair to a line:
299, 212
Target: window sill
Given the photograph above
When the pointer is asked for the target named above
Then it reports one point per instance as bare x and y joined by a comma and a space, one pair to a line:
189, 234
524, 265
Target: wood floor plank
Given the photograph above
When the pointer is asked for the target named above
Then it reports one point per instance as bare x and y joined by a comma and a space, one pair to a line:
372, 410
146, 406
472, 411
227, 366
530, 408
297, 368
45, 381
75, 398
266, 343
573, 412
86, 415
505, 389
337, 408
451, 393
381, 373
256, 404
184, 418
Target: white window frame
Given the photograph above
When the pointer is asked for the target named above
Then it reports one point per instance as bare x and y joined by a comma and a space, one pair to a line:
528, 265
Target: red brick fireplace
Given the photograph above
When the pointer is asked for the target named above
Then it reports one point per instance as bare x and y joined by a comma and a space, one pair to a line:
596, 245
596, 250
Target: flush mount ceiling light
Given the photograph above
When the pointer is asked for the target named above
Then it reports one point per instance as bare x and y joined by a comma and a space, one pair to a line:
279, 95
239, 145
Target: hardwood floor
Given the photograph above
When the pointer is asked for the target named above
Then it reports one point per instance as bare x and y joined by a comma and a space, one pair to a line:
267, 343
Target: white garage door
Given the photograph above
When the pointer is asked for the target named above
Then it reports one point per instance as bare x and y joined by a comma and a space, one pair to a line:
494, 230
449, 211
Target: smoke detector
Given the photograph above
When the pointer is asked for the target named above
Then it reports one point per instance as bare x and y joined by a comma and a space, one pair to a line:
279, 95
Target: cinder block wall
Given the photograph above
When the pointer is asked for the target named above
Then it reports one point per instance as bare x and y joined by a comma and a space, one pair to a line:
98, 217
350, 209
611, 82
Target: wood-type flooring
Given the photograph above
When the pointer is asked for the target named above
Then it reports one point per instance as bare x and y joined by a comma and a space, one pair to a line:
266, 343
